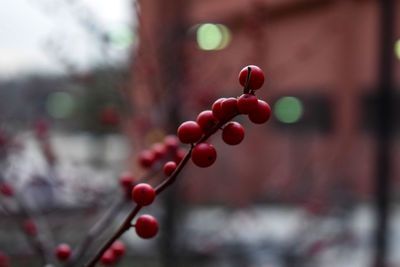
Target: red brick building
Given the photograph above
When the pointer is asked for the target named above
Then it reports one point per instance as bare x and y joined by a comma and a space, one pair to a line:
324, 52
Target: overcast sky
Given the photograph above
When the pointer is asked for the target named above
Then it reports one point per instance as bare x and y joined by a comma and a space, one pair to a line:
26, 26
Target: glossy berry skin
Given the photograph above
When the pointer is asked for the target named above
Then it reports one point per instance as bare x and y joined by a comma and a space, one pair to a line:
217, 109
63, 252
171, 142
118, 248
233, 133
204, 155
29, 227
169, 168
6, 190
261, 114
189, 132
206, 120
143, 194
229, 107
146, 158
246, 103
146, 226
256, 77
108, 257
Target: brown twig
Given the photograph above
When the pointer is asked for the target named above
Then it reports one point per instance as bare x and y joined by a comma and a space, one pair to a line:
160, 188
104, 221
246, 89
33, 240
99, 227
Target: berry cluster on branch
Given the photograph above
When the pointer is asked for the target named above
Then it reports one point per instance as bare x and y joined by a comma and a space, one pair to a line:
202, 153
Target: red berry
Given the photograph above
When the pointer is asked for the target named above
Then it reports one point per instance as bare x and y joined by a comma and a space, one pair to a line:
189, 132
108, 257
246, 103
159, 150
127, 180
4, 261
256, 79
146, 158
217, 109
3, 140
204, 155
143, 194
171, 142
6, 190
146, 226
229, 107
233, 133
63, 252
169, 168
179, 155
261, 114
109, 116
118, 248
30, 227
41, 128
206, 120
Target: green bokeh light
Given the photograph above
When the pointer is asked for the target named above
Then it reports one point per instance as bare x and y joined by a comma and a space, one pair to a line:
60, 105
209, 36
397, 49
288, 109
226, 36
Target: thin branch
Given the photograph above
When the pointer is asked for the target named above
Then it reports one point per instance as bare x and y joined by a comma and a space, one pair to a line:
104, 221
96, 230
126, 225
33, 240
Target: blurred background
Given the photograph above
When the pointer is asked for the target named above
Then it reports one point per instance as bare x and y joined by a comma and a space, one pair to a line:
86, 86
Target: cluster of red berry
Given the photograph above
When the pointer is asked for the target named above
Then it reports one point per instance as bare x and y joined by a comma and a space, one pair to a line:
169, 148
196, 132
114, 253
144, 194
223, 110
201, 153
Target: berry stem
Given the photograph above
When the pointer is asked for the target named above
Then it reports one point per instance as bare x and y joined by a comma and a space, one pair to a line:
160, 188
246, 89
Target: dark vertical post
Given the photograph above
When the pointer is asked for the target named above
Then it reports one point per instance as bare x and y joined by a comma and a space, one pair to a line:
385, 97
172, 34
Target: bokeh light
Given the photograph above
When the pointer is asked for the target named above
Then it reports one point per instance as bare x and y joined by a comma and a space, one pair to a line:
288, 109
213, 36
397, 48
60, 105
